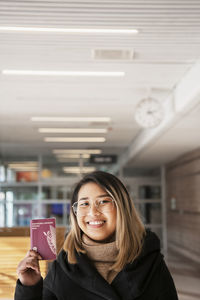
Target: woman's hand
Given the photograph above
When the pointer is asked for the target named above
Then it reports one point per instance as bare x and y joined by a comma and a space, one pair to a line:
28, 269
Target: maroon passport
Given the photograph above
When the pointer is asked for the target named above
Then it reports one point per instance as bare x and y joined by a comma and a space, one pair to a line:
43, 237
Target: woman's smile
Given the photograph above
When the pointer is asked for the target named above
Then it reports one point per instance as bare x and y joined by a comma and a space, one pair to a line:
96, 223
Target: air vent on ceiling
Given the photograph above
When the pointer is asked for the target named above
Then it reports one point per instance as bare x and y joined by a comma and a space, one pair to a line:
113, 54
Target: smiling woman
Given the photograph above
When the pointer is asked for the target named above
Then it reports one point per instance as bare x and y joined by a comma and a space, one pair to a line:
119, 221
107, 254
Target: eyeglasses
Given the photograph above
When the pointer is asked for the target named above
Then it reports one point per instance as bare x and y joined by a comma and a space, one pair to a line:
82, 207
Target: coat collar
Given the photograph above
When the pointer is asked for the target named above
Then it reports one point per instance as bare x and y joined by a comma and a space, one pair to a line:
85, 275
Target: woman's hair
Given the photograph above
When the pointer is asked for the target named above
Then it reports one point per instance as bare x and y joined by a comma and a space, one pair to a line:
130, 230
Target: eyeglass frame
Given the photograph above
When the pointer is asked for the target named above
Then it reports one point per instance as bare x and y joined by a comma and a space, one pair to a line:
75, 212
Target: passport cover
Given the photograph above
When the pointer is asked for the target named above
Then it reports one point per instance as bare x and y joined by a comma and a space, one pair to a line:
43, 237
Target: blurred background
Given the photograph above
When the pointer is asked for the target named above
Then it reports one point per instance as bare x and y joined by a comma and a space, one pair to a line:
101, 85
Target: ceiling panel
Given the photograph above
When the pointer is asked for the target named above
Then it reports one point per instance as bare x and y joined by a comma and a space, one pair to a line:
167, 46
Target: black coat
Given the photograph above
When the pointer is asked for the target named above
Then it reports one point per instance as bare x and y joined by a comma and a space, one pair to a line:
147, 278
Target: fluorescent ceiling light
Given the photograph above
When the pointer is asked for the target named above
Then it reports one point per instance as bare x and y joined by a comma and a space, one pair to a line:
63, 73
78, 170
75, 139
23, 164
26, 162
20, 166
58, 156
79, 151
71, 119
67, 160
24, 168
69, 30
72, 130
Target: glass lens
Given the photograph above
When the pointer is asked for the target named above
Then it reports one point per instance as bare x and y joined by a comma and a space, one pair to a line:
74, 206
105, 205
102, 205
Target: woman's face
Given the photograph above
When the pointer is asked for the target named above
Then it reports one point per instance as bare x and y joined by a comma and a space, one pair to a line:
98, 226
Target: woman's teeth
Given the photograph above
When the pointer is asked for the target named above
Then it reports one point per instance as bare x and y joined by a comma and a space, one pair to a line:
96, 222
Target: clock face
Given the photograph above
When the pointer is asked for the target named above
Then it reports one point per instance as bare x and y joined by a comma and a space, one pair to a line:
149, 113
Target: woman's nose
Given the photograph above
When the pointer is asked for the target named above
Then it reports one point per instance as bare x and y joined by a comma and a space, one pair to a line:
93, 211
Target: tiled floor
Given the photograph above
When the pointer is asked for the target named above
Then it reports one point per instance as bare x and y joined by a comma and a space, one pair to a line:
186, 275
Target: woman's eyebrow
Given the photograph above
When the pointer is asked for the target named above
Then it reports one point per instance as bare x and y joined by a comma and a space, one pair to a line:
104, 195
100, 196
83, 198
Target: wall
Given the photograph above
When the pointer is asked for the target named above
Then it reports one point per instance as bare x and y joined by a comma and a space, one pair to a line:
183, 204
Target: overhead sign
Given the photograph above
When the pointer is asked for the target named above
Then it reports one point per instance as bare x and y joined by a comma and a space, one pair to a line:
103, 159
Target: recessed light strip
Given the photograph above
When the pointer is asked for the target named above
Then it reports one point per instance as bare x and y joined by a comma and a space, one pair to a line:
75, 139
68, 160
71, 119
63, 73
69, 30
72, 130
85, 155
78, 170
24, 168
78, 151
22, 164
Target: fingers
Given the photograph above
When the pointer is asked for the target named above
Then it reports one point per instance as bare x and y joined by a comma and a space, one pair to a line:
33, 253
29, 263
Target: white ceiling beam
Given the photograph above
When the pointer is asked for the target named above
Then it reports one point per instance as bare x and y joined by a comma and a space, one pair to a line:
185, 97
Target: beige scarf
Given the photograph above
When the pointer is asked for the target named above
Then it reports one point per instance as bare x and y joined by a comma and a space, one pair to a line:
102, 255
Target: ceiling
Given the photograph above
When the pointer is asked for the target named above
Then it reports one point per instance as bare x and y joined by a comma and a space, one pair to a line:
166, 48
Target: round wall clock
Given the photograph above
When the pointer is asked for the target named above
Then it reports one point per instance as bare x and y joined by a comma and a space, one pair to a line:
149, 113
